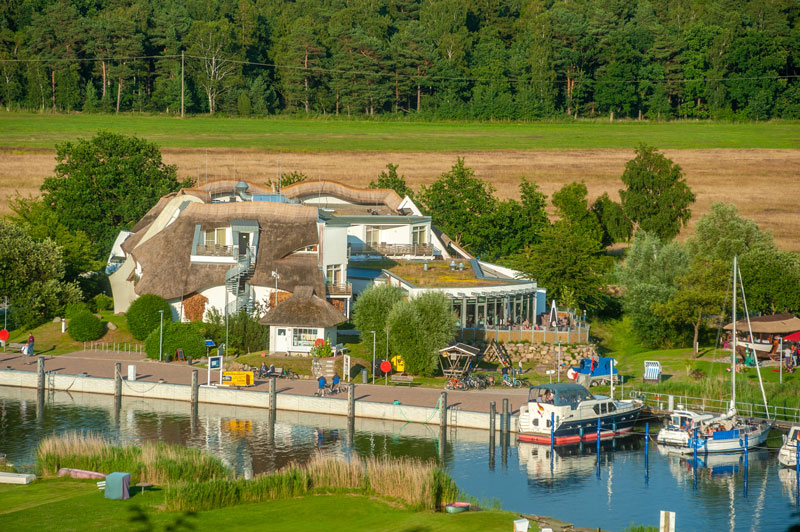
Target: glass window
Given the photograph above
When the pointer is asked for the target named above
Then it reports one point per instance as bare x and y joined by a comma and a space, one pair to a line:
334, 273
215, 237
612, 407
536, 422
281, 332
373, 235
596, 409
419, 235
304, 337
603, 408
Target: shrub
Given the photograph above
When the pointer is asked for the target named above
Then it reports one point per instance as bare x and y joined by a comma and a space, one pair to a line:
73, 309
143, 316
85, 326
103, 302
177, 335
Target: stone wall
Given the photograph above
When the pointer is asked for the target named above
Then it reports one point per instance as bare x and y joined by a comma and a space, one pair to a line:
547, 354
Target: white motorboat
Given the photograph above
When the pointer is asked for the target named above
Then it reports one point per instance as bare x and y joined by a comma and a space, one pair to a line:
687, 431
787, 456
569, 414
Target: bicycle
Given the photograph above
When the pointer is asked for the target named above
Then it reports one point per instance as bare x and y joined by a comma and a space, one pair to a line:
511, 383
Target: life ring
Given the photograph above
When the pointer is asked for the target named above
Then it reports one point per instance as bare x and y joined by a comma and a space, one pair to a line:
319, 342
572, 374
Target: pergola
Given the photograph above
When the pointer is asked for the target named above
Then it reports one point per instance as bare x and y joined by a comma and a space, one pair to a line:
457, 360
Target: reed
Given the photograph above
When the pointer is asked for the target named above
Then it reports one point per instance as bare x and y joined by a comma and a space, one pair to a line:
157, 463
418, 485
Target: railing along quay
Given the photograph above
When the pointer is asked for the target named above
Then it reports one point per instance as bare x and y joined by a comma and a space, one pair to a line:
660, 404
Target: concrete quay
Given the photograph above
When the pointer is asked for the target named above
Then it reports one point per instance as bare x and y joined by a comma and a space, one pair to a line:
173, 381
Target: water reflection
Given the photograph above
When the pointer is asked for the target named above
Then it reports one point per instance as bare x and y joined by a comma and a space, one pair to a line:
528, 479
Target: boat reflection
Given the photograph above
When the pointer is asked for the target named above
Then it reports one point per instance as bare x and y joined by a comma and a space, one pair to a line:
569, 461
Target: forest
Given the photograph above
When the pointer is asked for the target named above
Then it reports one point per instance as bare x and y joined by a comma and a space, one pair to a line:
433, 59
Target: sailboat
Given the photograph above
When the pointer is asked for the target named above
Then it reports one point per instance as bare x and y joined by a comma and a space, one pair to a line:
687, 431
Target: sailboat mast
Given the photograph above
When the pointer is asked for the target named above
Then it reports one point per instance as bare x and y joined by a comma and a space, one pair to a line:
733, 343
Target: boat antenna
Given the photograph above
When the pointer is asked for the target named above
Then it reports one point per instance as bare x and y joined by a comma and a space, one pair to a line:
733, 343
752, 341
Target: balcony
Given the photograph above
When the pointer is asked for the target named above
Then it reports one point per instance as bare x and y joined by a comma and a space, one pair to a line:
339, 289
391, 250
214, 251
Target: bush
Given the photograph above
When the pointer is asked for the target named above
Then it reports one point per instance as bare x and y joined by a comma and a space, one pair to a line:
143, 316
177, 335
85, 327
103, 302
73, 309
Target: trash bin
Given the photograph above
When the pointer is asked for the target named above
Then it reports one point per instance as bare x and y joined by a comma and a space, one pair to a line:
117, 486
521, 525
364, 379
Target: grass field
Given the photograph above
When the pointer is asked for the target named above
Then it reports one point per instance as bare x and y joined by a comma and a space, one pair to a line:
63, 505
45, 130
754, 165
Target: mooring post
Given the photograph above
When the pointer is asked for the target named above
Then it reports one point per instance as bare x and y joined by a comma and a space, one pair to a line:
273, 392
504, 418
118, 380
195, 388
646, 452
694, 456
599, 425
552, 432
40, 371
443, 411
351, 401
797, 472
492, 415
745, 464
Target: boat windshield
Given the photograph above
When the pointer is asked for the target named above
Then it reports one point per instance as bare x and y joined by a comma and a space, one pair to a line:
559, 396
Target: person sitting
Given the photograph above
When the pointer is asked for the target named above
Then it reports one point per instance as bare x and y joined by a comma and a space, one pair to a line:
321, 382
335, 383
262, 371
271, 370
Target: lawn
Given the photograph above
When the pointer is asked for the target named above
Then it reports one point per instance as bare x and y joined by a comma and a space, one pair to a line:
65, 505
51, 341
28, 130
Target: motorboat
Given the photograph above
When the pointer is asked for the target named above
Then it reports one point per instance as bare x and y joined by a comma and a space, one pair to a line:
568, 413
787, 456
688, 431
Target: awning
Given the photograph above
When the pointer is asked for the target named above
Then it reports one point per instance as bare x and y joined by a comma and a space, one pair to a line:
775, 324
794, 337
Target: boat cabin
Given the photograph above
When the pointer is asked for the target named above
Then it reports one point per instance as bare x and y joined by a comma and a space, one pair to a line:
685, 419
559, 394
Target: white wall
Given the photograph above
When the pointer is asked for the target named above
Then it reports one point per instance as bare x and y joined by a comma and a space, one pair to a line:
334, 245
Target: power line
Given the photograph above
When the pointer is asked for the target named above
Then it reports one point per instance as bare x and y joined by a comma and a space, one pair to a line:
393, 75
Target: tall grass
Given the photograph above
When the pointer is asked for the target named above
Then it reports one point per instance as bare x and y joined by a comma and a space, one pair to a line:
418, 485
157, 463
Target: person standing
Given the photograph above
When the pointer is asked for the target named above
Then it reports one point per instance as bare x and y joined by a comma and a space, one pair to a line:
30, 344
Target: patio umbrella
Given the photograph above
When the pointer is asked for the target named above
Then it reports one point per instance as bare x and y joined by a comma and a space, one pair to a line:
794, 337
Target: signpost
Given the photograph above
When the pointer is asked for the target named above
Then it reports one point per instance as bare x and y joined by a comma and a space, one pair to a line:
214, 363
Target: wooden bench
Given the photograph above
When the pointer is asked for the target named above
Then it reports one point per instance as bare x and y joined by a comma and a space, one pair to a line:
13, 346
402, 379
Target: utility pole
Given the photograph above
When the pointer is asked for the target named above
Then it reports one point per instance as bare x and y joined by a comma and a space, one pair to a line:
182, 89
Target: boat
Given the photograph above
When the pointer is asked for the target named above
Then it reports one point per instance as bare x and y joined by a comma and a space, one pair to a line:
688, 431
787, 456
457, 507
568, 413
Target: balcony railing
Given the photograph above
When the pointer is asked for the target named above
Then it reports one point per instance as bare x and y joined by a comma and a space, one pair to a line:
215, 251
340, 289
391, 250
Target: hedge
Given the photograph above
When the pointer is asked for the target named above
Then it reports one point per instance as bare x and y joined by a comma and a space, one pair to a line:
143, 316
85, 327
103, 302
177, 335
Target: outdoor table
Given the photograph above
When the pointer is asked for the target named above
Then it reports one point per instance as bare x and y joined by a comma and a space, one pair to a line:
143, 485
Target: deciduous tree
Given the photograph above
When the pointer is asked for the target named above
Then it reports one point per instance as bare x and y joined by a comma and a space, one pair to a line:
656, 198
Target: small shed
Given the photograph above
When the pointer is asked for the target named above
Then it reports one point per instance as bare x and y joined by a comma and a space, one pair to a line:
457, 360
298, 323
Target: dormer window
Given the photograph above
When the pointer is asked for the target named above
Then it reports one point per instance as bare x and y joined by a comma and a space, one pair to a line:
307, 249
216, 237
419, 235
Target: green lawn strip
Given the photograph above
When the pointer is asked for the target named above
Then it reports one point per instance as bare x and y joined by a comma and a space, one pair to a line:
63, 505
51, 341
29, 130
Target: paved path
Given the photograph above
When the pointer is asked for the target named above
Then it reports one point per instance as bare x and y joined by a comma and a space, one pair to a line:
101, 364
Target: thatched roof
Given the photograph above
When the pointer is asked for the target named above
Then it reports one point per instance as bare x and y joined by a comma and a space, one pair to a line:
165, 258
362, 196
462, 349
216, 187
774, 324
304, 309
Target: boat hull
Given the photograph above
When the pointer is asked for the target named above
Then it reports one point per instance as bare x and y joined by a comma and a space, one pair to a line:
572, 432
732, 444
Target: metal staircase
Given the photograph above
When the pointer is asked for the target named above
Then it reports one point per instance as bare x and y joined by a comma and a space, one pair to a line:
236, 283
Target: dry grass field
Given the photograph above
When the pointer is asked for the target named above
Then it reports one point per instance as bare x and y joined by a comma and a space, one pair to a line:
763, 183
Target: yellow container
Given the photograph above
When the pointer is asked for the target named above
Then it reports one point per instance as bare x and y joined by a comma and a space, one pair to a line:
237, 378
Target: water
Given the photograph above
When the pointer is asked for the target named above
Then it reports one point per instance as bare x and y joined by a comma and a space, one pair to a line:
524, 478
